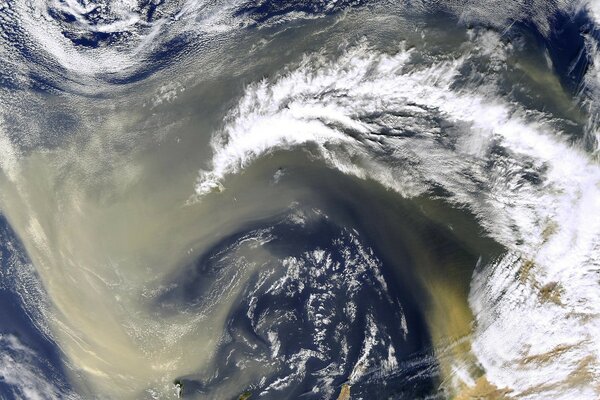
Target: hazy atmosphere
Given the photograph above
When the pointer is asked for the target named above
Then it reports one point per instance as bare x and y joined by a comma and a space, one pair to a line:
260, 199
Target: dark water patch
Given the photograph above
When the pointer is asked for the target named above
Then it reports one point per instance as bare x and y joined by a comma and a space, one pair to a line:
95, 39
31, 350
415, 242
322, 314
565, 43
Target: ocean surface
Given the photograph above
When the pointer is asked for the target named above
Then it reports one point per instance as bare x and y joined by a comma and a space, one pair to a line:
254, 199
